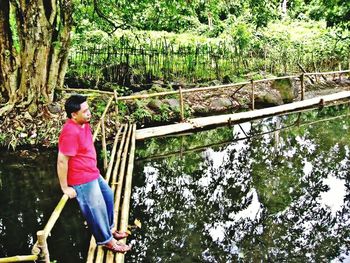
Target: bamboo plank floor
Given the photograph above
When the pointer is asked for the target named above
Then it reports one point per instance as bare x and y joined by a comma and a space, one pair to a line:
119, 177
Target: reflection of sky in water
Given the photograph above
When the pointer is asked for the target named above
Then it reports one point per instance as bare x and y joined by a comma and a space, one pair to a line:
317, 195
335, 196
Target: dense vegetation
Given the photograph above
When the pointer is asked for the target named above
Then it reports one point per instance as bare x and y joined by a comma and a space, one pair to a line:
238, 37
198, 41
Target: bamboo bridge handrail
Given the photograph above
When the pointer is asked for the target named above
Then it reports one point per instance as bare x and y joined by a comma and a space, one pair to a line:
55, 215
102, 118
216, 144
327, 73
143, 96
19, 258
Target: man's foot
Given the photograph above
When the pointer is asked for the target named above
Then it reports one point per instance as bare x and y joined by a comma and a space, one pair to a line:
119, 235
117, 247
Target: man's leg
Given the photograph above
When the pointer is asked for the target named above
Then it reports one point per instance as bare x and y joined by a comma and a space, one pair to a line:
108, 197
93, 207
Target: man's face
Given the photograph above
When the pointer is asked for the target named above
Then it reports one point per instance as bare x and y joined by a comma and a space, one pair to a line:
83, 115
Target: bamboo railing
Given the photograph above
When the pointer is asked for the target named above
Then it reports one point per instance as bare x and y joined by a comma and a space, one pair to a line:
252, 83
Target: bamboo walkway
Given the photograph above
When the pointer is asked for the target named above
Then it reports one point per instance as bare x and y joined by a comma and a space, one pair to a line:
119, 177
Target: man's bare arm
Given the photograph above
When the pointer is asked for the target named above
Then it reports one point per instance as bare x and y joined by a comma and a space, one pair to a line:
62, 172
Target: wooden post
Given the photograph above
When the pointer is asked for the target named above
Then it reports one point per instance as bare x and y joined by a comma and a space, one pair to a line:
253, 95
104, 145
116, 109
339, 70
302, 87
42, 245
182, 117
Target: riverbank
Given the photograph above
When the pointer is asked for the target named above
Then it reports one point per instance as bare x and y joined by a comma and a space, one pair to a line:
20, 129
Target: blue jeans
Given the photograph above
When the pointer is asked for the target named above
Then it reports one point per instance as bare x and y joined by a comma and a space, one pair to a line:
96, 203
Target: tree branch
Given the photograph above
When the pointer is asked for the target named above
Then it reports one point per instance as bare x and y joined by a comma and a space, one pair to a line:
106, 18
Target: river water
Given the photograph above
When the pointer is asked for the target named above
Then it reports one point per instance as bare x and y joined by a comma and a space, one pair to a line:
271, 190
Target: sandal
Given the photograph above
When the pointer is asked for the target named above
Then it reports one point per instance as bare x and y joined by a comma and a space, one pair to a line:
116, 247
119, 235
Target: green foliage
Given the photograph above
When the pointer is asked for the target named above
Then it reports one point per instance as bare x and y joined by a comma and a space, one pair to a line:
141, 112
241, 49
335, 12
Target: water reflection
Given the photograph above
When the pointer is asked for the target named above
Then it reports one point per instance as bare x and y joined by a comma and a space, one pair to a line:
29, 191
278, 197
282, 195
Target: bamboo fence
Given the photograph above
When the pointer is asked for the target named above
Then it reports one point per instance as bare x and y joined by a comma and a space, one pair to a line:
160, 59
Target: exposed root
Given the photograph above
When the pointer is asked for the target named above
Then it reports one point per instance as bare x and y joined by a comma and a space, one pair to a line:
6, 109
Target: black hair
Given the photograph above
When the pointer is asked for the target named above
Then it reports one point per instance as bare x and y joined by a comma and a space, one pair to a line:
73, 104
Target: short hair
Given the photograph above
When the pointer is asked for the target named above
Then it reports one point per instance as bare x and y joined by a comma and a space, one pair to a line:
73, 104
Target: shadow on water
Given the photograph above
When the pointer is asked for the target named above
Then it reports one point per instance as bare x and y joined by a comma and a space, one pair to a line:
213, 196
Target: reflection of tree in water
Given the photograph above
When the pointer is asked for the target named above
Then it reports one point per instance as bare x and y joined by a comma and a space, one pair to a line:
263, 199
29, 191
183, 198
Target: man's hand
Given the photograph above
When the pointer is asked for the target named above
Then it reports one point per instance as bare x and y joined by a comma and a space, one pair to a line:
70, 192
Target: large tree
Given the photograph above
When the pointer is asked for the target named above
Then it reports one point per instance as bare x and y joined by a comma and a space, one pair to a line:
34, 42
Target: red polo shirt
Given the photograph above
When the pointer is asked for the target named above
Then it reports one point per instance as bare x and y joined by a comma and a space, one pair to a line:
76, 142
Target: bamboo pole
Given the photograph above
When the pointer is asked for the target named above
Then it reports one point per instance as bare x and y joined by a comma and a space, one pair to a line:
104, 145
44, 255
124, 219
302, 87
52, 220
19, 258
55, 215
222, 143
86, 90
238, 117
91, 252
327, 72
121, 176
102, 117
253, 95
182, 117
110, 255
114, 150
116, 108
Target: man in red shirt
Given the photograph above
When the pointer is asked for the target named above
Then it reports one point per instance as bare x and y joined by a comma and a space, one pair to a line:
79, 176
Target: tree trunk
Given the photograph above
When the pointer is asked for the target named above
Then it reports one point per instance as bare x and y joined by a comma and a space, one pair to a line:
34, 65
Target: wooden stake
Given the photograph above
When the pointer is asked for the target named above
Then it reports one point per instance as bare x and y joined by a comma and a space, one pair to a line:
302, 87
182, 117
253, 95
104, 145
42, 245
116, 108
